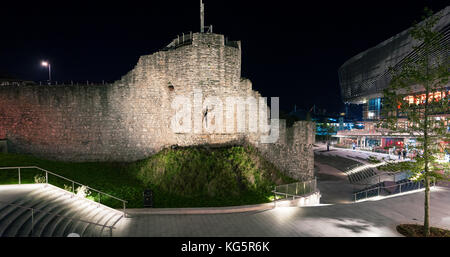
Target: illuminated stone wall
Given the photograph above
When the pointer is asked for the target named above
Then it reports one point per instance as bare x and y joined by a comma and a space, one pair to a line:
293, 152
131, 118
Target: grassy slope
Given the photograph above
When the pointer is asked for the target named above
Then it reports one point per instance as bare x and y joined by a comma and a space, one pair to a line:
183, 177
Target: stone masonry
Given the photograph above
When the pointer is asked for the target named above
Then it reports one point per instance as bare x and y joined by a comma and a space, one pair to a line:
131, 118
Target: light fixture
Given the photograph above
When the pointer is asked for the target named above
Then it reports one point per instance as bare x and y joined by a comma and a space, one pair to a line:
47, 64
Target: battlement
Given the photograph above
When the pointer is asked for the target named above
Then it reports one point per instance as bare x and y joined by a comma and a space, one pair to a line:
208, 39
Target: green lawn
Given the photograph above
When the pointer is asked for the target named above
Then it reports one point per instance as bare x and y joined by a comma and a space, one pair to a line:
183, 177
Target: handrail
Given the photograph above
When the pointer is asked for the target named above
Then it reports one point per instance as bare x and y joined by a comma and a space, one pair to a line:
73, 182
312, 187
34, 210
280, 193
98, 191
384, 187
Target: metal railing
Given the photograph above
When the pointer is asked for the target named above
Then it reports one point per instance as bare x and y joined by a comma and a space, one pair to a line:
67, 179
34, 211
377, 191
182, 39
295, 190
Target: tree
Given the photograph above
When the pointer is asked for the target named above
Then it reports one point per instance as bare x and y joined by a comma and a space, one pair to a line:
422, 115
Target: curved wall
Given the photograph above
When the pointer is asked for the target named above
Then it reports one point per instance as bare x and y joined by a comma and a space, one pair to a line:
365, 75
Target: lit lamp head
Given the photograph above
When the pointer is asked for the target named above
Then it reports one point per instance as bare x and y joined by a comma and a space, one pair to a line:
44, 63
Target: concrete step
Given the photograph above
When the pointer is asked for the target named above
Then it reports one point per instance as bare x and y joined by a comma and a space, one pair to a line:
40, 216
80, 227
57, 209
42, 200
59, 222
98, 231
13, 214
67, 226
6, 209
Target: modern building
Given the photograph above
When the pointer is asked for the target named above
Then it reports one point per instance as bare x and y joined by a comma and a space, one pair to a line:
327, 123
364, 77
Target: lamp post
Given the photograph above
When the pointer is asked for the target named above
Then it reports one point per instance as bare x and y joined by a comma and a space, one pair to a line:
47, 64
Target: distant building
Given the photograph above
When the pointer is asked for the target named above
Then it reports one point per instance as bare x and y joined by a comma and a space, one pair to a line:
364, 77
328, 123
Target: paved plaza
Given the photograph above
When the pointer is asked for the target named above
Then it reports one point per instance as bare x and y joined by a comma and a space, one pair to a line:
337, 216
367, 219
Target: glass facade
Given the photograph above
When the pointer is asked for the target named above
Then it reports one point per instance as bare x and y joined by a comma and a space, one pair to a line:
367, 74
372, 109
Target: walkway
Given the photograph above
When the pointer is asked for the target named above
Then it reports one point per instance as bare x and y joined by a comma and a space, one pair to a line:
358, 155
333, 184
370, 218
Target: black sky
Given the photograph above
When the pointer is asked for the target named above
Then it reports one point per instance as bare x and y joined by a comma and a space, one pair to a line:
290, 49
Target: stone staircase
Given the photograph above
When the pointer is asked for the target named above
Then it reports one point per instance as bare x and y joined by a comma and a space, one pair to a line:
361, 176
56, 213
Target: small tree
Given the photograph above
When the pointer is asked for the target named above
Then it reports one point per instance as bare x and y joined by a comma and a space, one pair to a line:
421, 116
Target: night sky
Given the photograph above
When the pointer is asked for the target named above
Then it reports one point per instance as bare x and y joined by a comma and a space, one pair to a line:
290, 49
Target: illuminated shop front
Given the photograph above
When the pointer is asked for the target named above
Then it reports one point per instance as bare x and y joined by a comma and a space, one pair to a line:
391, 142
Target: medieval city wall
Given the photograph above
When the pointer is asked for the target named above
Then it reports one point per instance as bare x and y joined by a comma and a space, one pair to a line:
293, 151
131, 118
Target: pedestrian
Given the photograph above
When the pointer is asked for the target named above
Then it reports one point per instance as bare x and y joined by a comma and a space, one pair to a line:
354, 146
404, 154
399, 153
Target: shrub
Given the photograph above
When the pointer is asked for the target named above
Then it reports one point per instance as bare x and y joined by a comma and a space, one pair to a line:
67, 188
83, 191
373, 159
39, 179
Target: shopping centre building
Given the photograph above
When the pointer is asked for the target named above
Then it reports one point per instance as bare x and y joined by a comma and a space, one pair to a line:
364, 77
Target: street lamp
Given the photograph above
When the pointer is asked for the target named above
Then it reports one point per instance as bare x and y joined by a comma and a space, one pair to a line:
47, 64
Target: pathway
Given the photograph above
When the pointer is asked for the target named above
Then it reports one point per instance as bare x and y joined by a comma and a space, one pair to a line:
369, 218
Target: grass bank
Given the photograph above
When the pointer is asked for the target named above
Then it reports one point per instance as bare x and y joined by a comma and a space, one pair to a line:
182, 177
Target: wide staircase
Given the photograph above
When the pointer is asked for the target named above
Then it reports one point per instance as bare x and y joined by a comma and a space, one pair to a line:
44, 210
361, 175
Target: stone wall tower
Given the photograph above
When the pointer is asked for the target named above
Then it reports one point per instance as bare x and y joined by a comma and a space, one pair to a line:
130, 119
